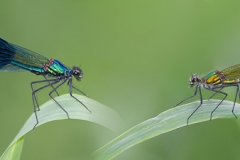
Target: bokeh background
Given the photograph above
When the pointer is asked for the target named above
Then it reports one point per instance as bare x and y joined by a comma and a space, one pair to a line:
137, 56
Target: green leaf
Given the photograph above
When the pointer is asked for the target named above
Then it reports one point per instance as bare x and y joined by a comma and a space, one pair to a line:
167, 121
14, 151
50, 111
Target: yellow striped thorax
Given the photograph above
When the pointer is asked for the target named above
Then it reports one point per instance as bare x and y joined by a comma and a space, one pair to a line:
212, 80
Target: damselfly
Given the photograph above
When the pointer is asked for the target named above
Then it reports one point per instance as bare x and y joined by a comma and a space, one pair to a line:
15, 58
215, 81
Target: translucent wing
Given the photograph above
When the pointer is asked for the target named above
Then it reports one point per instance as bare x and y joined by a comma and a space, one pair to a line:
10, 53
232, 72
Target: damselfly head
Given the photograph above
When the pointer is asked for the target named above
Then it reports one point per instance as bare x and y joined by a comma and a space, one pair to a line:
194, 80
77, 73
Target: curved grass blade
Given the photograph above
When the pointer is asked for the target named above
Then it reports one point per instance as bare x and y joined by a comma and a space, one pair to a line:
50, 111
15, 150
166, 121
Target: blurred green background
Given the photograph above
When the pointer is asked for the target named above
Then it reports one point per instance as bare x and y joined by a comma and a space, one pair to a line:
137, 57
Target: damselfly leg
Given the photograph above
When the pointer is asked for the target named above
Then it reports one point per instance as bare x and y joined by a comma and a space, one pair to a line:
200, 94
52, 82
225, 96
72, 87
215, 93
51, 85
195, 93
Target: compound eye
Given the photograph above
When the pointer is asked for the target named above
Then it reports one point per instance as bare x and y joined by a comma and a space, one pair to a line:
77, 73
193, 79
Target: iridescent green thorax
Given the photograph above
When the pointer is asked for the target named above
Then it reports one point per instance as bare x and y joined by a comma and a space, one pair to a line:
213, 79
55, 68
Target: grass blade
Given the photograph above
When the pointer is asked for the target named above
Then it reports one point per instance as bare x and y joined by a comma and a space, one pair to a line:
50, 111
167, 121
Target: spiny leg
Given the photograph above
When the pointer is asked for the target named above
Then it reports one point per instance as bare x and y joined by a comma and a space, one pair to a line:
195, 93
70, 88
34, 91
215, 93
235, 100
200, 93
51, 85
78, 90
236, 85
54, 89
34, 99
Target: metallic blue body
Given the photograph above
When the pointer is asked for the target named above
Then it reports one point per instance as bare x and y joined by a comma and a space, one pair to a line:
57, 69
15, 58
